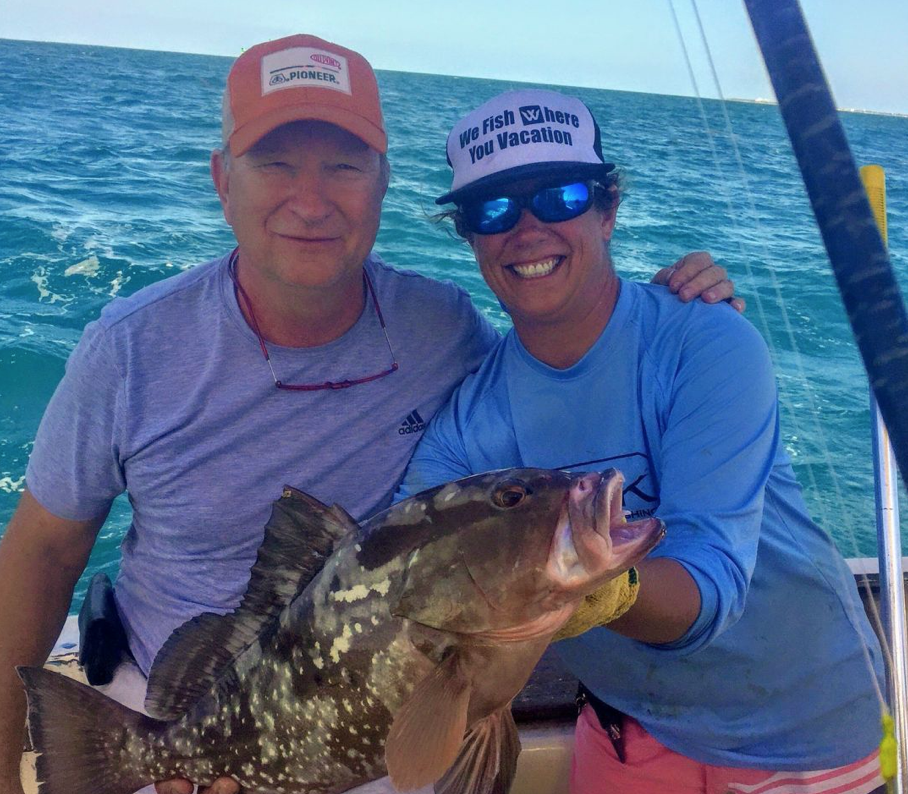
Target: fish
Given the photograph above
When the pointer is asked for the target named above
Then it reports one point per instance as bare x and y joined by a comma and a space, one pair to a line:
392, 647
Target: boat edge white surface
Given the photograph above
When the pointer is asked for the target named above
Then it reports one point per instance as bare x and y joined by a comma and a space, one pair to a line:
544, 765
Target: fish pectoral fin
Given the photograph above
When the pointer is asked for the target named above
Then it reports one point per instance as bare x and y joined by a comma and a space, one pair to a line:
429, 728
488, 759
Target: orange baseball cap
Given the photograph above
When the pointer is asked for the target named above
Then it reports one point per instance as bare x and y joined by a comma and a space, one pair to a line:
302, 77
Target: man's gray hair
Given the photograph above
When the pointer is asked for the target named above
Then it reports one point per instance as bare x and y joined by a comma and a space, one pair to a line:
227, 122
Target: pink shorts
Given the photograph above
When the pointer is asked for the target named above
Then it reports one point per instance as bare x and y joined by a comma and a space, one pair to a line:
651, 767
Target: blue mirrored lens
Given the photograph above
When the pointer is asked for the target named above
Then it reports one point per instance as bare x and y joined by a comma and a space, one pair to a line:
550, 205
493, 216
561, 203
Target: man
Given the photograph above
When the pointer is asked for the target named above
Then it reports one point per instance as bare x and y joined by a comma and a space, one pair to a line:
740, 666
300, 357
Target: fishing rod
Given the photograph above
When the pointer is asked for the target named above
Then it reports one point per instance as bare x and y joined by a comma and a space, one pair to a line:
859, 259
870, 293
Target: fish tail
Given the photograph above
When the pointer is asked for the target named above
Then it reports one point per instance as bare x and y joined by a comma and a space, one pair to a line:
81, 736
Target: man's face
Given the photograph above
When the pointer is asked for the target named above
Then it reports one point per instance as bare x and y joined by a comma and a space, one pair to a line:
304, 203
547, 272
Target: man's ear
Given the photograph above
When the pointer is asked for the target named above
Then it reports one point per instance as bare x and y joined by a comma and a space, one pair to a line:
220, 176
385, 175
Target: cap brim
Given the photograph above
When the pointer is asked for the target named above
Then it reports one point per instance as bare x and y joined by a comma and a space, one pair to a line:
245, 137
568, 170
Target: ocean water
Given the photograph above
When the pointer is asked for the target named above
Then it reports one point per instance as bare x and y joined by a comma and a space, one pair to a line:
104, 188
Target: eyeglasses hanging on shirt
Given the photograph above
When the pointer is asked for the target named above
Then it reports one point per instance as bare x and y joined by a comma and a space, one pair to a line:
342, 384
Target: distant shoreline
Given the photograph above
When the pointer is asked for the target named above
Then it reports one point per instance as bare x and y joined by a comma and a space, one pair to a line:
763, 101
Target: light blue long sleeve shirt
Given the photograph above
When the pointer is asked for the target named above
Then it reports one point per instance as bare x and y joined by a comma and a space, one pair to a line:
682, 399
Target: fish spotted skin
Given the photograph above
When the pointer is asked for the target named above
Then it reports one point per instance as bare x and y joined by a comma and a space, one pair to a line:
400, 636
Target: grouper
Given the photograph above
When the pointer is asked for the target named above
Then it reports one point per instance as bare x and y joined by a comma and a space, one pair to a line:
393, 646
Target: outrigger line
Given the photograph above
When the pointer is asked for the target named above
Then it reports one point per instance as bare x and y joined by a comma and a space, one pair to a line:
859, 260
853, 243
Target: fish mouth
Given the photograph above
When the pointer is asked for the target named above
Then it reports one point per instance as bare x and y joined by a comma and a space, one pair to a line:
594, 541
635, 539
626, 536
629, 539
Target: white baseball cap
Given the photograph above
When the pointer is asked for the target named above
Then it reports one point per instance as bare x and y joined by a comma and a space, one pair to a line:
523, 134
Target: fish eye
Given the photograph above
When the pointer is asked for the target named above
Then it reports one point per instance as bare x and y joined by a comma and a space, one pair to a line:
510, 494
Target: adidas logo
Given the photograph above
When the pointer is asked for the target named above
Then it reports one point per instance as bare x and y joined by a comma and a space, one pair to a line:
412, 424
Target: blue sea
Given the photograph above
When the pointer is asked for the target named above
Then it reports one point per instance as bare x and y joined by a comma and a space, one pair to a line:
104, 189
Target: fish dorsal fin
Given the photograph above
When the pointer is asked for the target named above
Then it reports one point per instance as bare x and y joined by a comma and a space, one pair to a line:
299, 537
343, 518
487, 761
428, 729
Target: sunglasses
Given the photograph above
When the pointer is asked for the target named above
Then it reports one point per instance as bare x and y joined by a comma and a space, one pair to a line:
548, 204
338, 384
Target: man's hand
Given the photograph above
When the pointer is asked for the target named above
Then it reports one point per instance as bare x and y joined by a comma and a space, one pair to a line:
223, 785
695, 275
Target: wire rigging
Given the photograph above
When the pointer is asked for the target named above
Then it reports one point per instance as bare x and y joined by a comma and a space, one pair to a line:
846, 521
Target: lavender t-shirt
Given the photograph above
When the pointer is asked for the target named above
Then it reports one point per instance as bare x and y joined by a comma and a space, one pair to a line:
168, 397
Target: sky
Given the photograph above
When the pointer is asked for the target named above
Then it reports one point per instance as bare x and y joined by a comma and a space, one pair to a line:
630, 45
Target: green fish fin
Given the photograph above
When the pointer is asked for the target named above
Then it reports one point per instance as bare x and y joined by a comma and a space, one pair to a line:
428, 729
78, 735
299, 537
488, 759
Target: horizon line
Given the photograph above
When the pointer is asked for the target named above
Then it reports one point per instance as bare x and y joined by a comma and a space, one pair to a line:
749, 100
